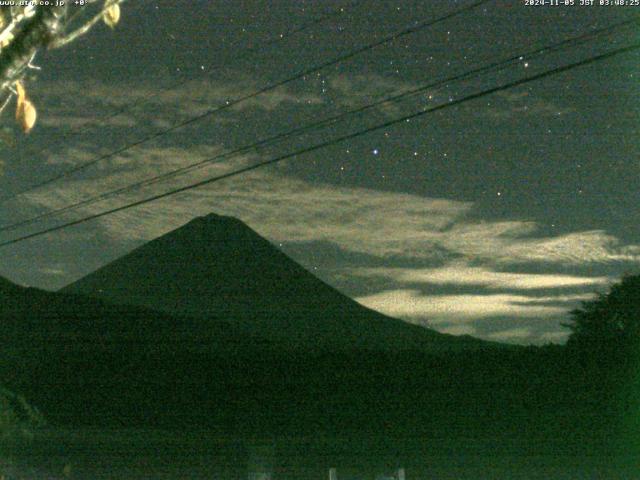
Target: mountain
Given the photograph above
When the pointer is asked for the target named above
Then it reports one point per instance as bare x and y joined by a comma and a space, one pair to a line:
216, 266
210, 325
84, 360
44, 319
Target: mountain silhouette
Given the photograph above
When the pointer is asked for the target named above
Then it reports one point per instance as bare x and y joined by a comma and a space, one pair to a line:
208, 325
74, 322
84, 360
217, 267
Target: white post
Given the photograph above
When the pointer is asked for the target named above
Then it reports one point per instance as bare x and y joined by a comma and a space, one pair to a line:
333, 475
401, 474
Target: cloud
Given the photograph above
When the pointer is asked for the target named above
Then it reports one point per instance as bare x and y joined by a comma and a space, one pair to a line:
519, 103
515, 242
559, 336
373, 222
460, 273
458, 329
355, 91
53, 271
514, 335
355, 88
60, 108
534, 318
282, 208
417, 307
76, 122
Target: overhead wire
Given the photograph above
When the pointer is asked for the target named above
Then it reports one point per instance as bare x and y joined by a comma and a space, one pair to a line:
495, 66
318, 146
303, 73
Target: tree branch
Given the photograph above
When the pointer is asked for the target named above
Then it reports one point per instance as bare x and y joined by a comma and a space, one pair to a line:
62, 41
38, 31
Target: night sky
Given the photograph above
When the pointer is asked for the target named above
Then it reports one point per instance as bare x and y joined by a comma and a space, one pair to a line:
492, 218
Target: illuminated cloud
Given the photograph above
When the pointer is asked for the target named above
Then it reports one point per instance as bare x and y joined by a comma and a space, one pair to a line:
513, 335
100, 100
458, 273
384, 224
433, 309
53, 271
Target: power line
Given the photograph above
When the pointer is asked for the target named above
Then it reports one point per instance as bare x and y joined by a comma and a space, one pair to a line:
328, 121
325, 144
273, 86
495, 66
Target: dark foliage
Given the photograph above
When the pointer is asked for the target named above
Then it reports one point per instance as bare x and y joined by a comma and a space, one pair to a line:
603, 355
609, 325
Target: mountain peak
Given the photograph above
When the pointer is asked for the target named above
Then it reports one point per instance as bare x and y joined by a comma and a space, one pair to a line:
210, 217
215, 219
212, 231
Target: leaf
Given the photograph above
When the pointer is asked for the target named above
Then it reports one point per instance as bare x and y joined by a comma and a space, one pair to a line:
22, 94
7, 40
111, 15
25, 111
26, 116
